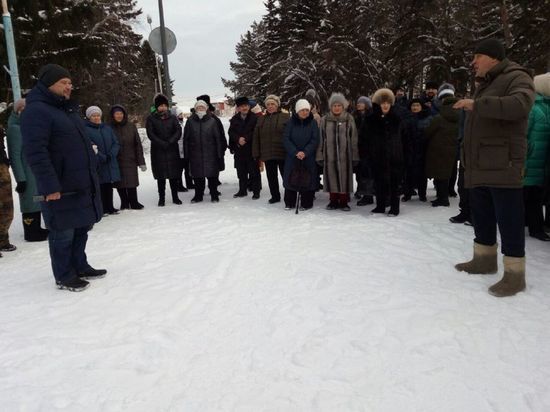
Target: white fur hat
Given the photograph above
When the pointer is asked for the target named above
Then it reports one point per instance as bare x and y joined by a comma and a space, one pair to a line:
302, 104
542, 84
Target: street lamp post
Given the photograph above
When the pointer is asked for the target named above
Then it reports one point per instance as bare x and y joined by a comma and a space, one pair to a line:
159, 76
10, 47
167, 88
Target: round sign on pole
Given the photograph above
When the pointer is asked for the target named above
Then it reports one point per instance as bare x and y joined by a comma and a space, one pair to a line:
156, 43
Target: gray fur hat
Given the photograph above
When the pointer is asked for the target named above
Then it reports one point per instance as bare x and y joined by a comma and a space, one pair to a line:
383, 95
336, 98
273, 98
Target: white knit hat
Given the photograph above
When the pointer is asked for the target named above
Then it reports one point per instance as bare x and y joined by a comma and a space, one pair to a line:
93, 110
302, 104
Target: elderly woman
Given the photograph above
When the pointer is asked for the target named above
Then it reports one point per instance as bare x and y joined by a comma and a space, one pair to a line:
301, 140
106, 147
384, 135
164, 131
267, 143
338, 152
204, 147
26, 184
130, 157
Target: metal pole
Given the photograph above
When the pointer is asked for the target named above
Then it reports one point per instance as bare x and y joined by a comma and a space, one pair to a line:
167, 88
159, 76
12, 56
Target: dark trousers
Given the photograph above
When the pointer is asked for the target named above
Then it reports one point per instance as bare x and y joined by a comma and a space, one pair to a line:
387, 187
248, 174
6, 204
442, 189
306, 198
492, 207
271, 167
68, 252
128, 197
463, 193
534, 198
200, 185
452, 180
107, 197
161, 185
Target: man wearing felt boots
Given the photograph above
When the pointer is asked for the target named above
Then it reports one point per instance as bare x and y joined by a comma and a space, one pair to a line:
494, 152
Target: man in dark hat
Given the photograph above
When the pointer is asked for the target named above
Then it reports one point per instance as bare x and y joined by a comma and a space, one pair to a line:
494, 159
212, 111
241, 132
64, 164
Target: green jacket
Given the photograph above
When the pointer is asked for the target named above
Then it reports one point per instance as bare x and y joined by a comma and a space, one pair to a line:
537, 166
442, 141
267, 143
20, 168
495, 132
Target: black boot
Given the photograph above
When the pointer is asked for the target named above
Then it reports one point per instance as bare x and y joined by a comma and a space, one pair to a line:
175, 199
31, 228
133, 200
161, 183
365, 200
124, 202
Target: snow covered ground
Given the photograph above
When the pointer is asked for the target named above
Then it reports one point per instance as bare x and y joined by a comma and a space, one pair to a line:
241, 306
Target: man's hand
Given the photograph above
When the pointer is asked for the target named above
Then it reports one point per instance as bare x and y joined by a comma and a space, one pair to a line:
466, 104
301, 155
242, 141
53, 196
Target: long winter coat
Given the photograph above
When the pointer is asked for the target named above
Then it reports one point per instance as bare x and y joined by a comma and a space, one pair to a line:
442, 141
61, 158
107, 145
164, 131
338, 152
301, 136
19, 166
268, 137
203, 145
130, 155
537, 166
495, 141
385, 141
239, 127
361, 125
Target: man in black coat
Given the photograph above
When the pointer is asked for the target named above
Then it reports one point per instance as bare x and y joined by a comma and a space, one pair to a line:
212, 111
241, 132
64, 164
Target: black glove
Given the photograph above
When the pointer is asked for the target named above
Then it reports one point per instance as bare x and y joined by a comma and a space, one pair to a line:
21, 187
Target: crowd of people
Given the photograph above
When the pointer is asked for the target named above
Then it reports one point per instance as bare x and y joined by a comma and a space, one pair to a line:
380, 149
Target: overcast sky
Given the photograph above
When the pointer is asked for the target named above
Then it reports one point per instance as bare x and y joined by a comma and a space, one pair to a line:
207, 32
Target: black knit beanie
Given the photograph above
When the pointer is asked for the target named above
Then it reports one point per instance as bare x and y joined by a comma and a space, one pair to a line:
492, 48
52, 73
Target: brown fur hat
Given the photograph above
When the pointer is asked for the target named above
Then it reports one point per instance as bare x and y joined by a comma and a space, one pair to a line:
383, 95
